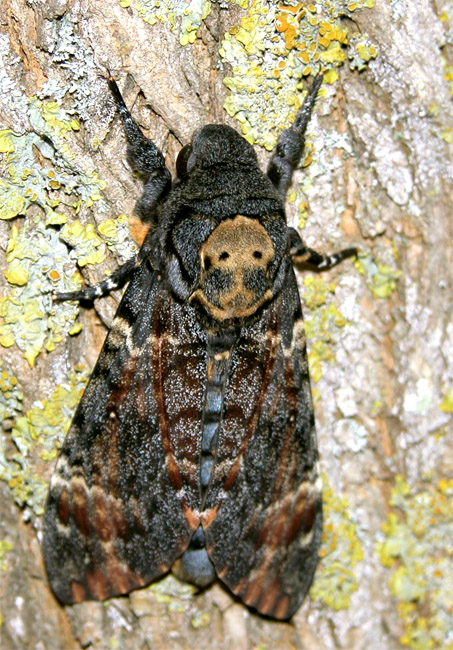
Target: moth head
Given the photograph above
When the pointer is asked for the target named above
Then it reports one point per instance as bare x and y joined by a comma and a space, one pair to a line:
212, 145
234, 276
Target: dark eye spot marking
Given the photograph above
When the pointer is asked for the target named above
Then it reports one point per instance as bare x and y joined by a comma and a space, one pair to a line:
207, 263
224, 256
257, 255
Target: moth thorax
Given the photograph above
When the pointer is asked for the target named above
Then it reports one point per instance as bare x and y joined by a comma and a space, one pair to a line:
234, 279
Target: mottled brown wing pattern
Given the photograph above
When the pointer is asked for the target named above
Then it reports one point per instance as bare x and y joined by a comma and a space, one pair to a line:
123, 500
263, 513
196, 431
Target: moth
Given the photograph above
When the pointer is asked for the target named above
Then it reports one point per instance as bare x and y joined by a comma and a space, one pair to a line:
194, 444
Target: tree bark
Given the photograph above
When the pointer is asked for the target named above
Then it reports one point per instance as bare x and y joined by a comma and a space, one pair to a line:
380, 332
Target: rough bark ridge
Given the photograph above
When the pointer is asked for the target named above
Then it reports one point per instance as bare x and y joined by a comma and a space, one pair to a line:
380, 332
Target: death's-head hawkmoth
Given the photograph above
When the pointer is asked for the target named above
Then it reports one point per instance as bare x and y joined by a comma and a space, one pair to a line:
194, 442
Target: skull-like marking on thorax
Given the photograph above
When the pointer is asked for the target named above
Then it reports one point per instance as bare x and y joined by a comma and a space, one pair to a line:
235, 259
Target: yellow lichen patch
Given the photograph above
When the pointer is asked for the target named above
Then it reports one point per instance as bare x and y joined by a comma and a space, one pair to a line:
361, 51
417, 547
90, 187
86, 245
51, 112
266, 95
5, 548
75, 329
201, 621
116, 236
316, 291
340, 552
446, 404
331, 76
6, 141
448, 75
17, 273
380, 278
52, 120
447, 135
41, 174
172, 592
49, 420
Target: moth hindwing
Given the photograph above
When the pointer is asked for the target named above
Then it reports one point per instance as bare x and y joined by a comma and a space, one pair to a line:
194, 444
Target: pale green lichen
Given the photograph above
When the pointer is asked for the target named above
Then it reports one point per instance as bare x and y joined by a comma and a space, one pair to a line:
38, 433
322, 323
301, 203
51, 120
380, 278
28, 489
11, 395
43, 179
41, 167
361, 51
47, 421
172, 592
341, 550
417, 546
275, 46
418, 396
201, 621
297, 194
89, 247
447, 135
74, 58
185, 16
36, 268
5, 548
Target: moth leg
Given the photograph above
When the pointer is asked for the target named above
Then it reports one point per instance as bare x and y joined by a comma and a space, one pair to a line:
300, 253
291, 143
146, 158
115, 281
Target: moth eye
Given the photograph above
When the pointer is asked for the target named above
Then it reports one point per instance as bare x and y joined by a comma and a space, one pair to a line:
224, 256
207, 263
257, 255
182, 160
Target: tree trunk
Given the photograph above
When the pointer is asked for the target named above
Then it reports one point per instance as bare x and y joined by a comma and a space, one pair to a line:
377, 175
